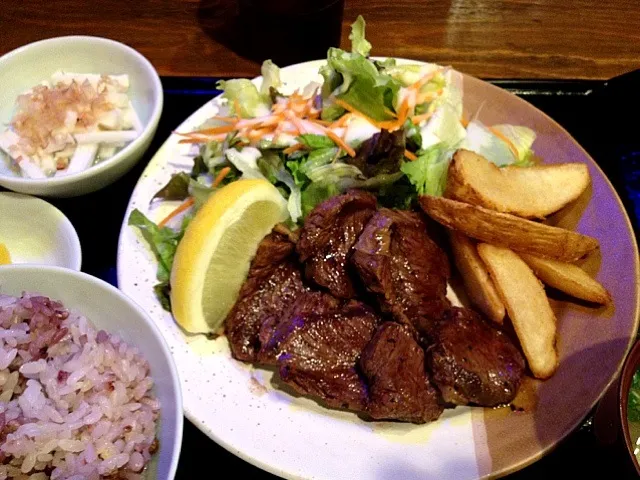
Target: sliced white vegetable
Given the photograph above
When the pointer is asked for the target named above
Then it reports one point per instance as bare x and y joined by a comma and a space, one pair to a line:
82, 158
106, 151
132, 116
246, 160
30, 169
359, 130
9, 140
111, 120
119, 100
116, 137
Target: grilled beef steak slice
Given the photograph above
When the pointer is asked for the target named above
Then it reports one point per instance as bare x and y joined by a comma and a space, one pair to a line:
274, 281
320, 355
398, 261
473, 362
278, 327
328, 235
399, 388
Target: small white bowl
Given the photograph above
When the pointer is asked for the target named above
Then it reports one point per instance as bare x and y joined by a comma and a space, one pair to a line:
110, 309
29, 65
36, 232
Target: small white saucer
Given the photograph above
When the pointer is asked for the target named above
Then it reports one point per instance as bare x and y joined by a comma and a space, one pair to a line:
36, 232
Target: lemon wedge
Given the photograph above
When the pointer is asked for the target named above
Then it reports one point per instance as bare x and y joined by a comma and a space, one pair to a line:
5, 258
212, 259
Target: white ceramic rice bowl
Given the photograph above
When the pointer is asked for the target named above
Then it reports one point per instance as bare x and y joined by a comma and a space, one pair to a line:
109, 309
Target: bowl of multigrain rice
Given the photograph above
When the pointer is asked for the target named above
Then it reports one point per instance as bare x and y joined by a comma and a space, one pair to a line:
88, 386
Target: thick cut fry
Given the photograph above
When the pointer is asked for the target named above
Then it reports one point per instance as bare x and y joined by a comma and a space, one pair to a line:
568, 278
532, 192
508, 230
478, 285
527, 305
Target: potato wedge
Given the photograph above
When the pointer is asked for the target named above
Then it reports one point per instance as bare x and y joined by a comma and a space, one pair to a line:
528, 307
508, 230
532, 192
479, 287
568, 278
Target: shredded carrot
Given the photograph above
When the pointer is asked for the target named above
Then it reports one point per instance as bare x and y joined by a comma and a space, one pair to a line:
216, 130
293, 148
410, 155
321, 122
236, 107
464, 121
416, 119
202, 139
341, 143
384, 124
341, 121
509, 143
389, 112
181, 208
221, 174
259, 133
297, 123
226, 119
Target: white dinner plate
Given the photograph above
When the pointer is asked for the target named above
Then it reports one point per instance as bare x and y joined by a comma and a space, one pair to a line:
236, 405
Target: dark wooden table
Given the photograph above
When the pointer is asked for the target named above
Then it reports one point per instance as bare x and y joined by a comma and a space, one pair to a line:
486, 38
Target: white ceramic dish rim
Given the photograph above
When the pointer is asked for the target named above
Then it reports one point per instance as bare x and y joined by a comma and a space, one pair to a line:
72, 234
173, 372
126, 151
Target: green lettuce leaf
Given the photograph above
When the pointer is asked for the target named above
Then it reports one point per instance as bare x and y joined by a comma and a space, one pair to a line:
245, 95
318, 158
176, 189
200, 193
633, 410
428, 173
358, 43
317, 193
163, 242
272, 167
313, 141
270, 77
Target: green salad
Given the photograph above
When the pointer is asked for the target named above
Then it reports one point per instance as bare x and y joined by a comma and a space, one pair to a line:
375, 124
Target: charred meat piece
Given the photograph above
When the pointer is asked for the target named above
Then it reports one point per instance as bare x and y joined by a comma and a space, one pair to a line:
278, 327
274, 281
320, 355
473, 362
328, 235
399, 388
399, 262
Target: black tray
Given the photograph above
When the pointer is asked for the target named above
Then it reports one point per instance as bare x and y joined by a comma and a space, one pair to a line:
583, 108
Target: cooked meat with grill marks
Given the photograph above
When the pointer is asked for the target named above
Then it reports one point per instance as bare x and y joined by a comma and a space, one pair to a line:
473, 362
327, 238
398, 261
320, 355
399, 388
278, 327
274, 281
